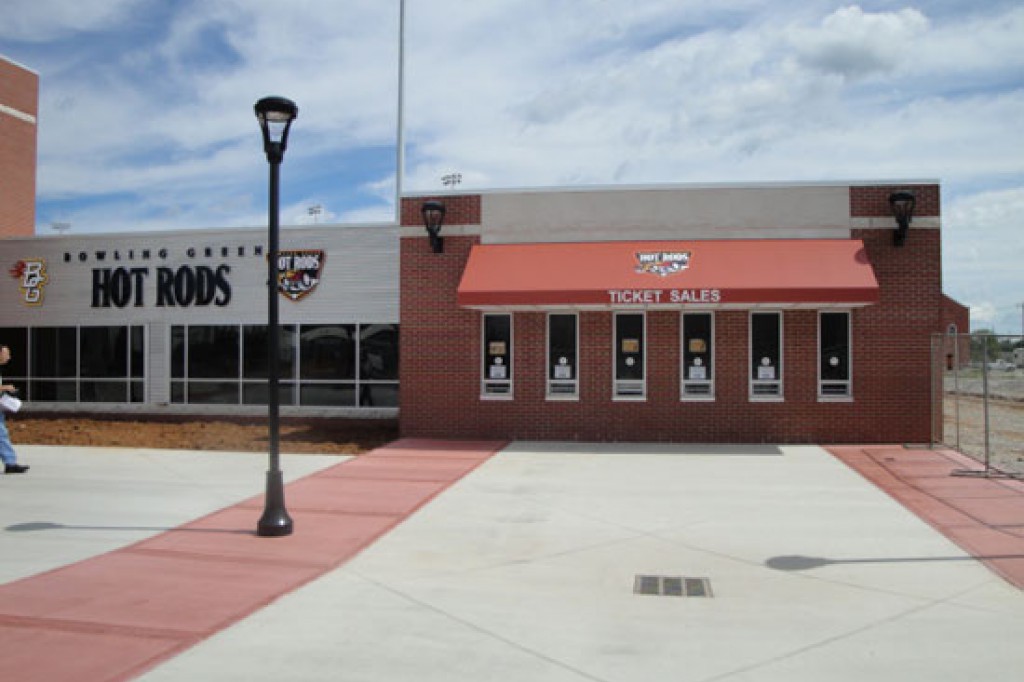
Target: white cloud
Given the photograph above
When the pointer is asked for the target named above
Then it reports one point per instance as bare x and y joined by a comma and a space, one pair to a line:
43, 20
855, 44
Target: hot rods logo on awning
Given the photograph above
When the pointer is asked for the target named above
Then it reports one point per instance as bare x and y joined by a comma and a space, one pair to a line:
299, 272
662, 263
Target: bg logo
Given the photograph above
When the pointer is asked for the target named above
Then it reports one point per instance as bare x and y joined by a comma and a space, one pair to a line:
31, 273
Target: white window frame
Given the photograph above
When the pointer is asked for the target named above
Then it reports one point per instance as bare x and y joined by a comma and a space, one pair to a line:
766, 390
627, 390
696, 390
846, 385
562, 389
490, 388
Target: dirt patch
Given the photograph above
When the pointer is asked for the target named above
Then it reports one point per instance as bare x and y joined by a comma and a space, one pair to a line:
305, 436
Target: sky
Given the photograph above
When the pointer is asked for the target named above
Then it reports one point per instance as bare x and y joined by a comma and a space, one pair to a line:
146, 107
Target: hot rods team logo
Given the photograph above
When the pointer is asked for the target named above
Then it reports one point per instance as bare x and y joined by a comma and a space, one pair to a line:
662, 263
299, 272
32, 277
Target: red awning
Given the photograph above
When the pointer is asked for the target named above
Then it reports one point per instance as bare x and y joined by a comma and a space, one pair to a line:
742, 273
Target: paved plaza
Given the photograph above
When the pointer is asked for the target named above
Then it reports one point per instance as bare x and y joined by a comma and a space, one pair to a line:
434, 560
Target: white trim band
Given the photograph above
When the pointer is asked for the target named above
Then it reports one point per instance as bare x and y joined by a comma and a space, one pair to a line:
20, 115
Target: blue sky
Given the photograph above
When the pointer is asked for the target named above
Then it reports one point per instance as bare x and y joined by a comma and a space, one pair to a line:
146, 118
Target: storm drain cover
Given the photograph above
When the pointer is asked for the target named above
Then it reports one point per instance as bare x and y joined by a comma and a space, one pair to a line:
672, 586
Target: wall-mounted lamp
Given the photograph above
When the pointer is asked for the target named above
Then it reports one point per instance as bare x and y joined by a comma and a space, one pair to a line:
902, 205
433, 218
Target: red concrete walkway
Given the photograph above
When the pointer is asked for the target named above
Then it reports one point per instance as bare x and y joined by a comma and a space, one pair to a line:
984, 516
115, 615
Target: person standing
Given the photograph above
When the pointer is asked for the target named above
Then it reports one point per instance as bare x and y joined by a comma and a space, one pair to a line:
7, 453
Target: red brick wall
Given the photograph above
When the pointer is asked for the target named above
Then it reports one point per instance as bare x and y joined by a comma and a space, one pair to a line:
440, 382
874, 201
953, 313
459, 210
19, 90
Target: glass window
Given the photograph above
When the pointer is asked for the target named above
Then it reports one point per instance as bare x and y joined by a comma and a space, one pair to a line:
138, 352
630, 364
327, 352
318, 365
103, 352
563, 349
178, 352
54, 352
255, 340
15, 338
698, 372
255, 371
213, 392
378, 352
328, 394
53, 369
497, 355
765, 356
834, 354
213, 352
256, 392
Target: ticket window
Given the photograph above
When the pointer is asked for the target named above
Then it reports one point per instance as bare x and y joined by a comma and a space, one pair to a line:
698, 371
563, 351
496, 379
766, 356
834, 355
630, 357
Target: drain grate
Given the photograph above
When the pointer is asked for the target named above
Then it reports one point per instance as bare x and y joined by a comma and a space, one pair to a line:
672, 586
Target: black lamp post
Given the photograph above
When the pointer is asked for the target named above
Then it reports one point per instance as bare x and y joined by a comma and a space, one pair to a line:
902, 205
433, 217
275, 115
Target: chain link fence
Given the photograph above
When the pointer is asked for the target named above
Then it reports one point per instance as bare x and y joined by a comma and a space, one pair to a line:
978, 382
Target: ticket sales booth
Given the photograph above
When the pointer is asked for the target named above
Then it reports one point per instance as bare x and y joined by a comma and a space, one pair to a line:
730, 313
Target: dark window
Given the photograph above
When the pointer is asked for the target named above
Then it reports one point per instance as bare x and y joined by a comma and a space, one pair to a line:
138, 353
15, 338
213, 392
378, 352
103, 352
562, 349
834, 355
765, 354
212, 352
54, 352
629, 355
178, 353
328, 394
317, 365
698, 355
497, 355
255, 340
256, 392
328, 352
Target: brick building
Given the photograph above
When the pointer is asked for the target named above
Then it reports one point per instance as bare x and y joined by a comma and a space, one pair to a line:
19, 106
767, 313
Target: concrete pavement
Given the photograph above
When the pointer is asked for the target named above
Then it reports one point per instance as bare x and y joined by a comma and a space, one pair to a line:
525, 568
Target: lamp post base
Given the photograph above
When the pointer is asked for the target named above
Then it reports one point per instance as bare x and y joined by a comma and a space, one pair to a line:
275, 521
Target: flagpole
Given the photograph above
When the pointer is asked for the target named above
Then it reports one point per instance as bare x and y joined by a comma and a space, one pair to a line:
400, 136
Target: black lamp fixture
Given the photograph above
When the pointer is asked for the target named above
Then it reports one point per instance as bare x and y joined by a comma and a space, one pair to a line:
433, 218
902, 205
275, 115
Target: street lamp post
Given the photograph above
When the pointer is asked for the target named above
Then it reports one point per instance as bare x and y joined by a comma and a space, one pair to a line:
275, 115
